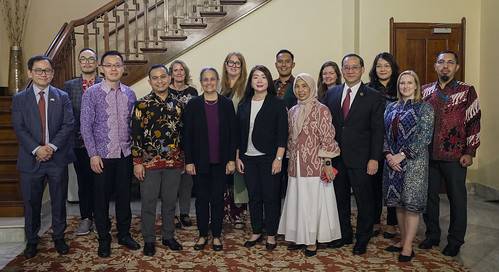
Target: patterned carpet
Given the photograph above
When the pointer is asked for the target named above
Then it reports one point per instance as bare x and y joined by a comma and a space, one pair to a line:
234, 257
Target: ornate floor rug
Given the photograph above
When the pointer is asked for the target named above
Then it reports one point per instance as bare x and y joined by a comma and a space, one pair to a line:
83, 256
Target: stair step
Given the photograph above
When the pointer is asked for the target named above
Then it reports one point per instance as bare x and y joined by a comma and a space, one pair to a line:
232, 2
12, 228
5, 102
136, 62
153, 50
212, 13
5, 117
7, 132
173, 38
8, 148
193, 25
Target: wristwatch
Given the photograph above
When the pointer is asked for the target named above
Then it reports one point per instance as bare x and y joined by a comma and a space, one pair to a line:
278, 158
403, 154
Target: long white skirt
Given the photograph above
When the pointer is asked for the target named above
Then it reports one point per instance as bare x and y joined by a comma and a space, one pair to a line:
310, 213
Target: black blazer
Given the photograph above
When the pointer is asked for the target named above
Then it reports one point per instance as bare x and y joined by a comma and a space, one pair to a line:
270, 130
360, 136
195, 133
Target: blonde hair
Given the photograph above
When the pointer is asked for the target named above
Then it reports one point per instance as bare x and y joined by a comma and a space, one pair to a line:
417, 94
239, 86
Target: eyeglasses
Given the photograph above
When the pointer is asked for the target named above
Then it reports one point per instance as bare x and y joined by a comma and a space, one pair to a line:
235, 64
449, 62
351, 68
87, 60
39, 72
112, 66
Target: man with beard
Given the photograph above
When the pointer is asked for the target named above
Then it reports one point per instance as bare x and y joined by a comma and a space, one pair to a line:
157, 157
87, 58
455, 141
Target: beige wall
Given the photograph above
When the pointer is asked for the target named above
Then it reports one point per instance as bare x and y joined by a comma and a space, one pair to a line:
488, 156
4, 55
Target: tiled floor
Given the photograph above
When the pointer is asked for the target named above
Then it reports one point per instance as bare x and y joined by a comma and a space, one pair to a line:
479, 253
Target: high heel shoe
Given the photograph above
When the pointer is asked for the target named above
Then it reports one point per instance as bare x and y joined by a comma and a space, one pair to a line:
199, 246
403, 258
270, 246
217, 247
250, 243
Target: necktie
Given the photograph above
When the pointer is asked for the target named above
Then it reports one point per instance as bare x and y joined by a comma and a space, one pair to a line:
345, 107
43, 118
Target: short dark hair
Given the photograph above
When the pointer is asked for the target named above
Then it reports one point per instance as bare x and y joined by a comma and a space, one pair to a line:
353, 55
88, 49
110, 53
248, 94
38, 58
156, 66
285, 51
447, 51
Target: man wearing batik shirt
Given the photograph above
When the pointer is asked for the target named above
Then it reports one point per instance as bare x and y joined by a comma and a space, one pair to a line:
75, 88
455, 141
106, 109
157, 157
284, 63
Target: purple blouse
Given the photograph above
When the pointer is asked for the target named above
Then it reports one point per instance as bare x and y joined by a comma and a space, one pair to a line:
105, 120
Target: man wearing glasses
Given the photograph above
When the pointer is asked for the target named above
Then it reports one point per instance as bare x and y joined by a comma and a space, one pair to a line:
43, 122
357, 112
456, 138
106, 109
75, 88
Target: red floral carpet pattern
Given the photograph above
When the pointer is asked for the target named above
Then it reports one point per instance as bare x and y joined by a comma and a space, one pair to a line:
83, 256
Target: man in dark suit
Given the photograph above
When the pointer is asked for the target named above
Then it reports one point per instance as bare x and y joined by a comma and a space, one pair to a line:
43, 122
75, 89
357, 112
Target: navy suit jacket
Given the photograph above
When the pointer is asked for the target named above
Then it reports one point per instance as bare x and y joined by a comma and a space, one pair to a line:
27, 126
75, 91
360, 135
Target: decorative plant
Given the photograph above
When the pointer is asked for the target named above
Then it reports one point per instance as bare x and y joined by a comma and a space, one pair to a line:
14, 15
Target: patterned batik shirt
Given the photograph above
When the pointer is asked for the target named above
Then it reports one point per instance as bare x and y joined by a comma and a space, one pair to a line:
457, 120
156, 132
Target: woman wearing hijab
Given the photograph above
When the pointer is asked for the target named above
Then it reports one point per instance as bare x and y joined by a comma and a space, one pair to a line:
310, 214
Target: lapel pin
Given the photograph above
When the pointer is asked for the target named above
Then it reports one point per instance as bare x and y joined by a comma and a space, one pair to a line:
51, 99
361, 94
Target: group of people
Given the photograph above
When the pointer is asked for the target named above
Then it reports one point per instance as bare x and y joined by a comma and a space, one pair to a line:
391, 141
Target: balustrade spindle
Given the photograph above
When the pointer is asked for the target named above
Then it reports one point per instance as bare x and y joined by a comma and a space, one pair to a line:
106, 32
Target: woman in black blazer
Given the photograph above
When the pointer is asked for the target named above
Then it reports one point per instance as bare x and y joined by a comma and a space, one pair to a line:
263, 131
210, 150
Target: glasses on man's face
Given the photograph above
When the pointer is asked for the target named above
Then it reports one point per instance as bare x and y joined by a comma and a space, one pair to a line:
112, 66
39, 72
351, 68
87, 60
449, 62
235, 64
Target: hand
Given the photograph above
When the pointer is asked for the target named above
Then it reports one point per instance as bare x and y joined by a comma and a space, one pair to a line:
96, 164
139, 171
466, 160
372, 167
240, 166
44, 153
230, 167
190, 169
328, 172
276, 166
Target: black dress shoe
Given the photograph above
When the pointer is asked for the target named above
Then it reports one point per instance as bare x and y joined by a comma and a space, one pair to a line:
178, 224
428, 243
199, 246
149, 249
129, 243
270, 246
389, 235
310, 253
294, 246
375, 233
250, 243
104, 249
61, 247
172, 244
403, 258
30, 251
217, 247
339, 243
393, 248
451, 250
185, 220
359, 248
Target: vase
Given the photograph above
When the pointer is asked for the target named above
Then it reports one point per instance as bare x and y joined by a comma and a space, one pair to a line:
16, 71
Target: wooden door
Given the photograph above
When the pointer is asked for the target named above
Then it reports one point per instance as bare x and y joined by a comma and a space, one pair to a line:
415, 46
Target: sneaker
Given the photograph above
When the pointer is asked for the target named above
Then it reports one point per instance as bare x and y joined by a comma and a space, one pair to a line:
86, 225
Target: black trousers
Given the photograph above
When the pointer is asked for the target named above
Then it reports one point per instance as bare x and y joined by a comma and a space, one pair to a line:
360, 182
455, 179
210, 188
283, 177
263, 193
32, 186
85, 177
116, 177
377, 183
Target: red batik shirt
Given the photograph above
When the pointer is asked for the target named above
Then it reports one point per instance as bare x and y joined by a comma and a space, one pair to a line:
457, 120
